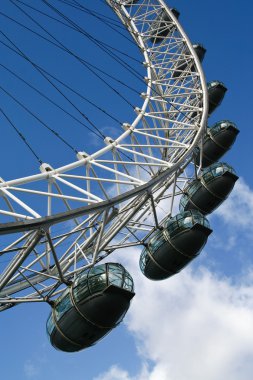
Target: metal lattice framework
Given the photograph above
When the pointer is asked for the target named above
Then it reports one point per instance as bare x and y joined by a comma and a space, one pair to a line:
109, 199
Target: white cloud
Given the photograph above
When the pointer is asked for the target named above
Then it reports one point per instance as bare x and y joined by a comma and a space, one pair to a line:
234, 232
237, 211
193, 326
114, 373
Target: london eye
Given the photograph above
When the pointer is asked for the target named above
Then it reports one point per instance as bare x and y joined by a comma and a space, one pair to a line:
150, 181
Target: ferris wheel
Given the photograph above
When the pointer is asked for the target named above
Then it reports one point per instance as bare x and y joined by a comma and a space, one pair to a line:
149, 184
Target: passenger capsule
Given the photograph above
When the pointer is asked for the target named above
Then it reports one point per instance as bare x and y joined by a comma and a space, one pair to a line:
91, 307
162, 26
216, 93
170, 249
218, 140
210, 190
182, 65
200, 51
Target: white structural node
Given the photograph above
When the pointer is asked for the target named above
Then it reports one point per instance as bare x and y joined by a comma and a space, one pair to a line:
62, 221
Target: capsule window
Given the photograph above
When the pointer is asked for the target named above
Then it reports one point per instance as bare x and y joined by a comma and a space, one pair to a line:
208, 176
144, 260
82, 277
62, 307
81, 291
171, 227
115, 279
128, 283
216, 129
175, 227
156, 241
97, 283
183, 201
188, 222
96, 270
219, 171
50, 325
195, 186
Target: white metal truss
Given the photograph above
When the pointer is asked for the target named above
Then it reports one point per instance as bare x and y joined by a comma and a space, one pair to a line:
62, 220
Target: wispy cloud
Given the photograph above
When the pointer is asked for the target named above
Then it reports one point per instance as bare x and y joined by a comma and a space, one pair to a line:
114, 373
31, 370
237, 211
196, 325
233, 227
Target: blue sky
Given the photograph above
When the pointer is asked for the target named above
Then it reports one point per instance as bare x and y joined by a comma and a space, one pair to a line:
198, 324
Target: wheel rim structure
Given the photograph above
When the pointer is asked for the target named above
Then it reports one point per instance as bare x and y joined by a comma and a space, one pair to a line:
117, 197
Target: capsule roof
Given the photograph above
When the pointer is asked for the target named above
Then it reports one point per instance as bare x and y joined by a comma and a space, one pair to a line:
208, 174
200, 51
220, 125
216, 170
129, 2
185, 220
214, 83
101, 276
175, 12
197, 45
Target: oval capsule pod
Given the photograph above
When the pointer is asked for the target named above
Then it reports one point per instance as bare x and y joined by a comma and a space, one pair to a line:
91, 307
182, 65
162, 26
210, 190
200, 51
218, 140
216, 93
170, 249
